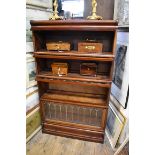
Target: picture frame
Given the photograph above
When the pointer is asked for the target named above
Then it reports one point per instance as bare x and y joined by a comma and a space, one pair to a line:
32, 99
31, 90
29, 47
120, 81
33, 123
114, 126
124, 113
30, 71
121, 12
40, 3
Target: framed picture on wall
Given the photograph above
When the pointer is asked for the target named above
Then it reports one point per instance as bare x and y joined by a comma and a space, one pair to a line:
30, 90
30, 71
32, 100
40, 3
120, 83
121, 12
33, 123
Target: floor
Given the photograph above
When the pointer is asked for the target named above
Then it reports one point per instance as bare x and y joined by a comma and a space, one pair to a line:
125, 150
44, 144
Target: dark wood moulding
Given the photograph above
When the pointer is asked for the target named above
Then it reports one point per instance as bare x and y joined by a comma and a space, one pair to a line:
78, 25
74, 53
73, 78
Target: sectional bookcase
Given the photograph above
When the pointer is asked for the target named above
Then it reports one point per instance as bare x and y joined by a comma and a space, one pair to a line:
74, 105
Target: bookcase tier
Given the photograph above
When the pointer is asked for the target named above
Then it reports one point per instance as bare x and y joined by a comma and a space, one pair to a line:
74, 113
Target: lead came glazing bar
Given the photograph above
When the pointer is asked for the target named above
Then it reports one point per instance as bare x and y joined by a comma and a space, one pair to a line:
96, 116
78, 114
84, 115
55, 110
90, 111
66, 112
72, 113
49, 110
60, 112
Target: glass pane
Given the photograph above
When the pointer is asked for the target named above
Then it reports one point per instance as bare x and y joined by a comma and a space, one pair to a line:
73, 113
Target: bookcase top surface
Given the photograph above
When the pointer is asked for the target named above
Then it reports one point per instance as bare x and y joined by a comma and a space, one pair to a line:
75, 24
73, 21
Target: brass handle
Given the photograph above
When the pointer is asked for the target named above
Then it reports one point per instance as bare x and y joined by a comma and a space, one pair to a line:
90, 47
57, 46
59, 74
59, 71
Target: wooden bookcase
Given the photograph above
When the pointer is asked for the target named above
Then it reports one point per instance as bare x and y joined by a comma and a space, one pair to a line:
74, 106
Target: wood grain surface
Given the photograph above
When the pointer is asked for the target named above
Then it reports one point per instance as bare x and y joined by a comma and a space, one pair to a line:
44, 144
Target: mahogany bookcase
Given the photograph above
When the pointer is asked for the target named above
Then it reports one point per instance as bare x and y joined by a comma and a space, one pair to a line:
74, 106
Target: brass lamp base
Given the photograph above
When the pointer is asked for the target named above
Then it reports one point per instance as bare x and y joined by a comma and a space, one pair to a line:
94, 17
56, 17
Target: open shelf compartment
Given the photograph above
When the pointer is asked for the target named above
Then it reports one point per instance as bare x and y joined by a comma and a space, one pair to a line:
44, 73
106, 38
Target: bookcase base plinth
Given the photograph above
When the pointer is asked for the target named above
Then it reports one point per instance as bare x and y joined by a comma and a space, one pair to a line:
69, 132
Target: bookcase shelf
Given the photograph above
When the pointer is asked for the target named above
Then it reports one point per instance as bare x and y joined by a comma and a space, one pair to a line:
102, 81
74, 56
76, 77
75, 53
